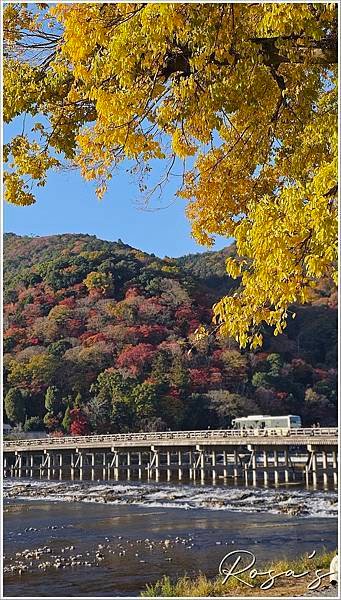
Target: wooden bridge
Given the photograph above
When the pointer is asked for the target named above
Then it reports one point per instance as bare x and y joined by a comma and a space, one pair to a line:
254, 456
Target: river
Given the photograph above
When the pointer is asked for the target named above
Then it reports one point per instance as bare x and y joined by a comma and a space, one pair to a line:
89, 539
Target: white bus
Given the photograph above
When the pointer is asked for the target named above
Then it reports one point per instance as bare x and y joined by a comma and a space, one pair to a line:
267, 422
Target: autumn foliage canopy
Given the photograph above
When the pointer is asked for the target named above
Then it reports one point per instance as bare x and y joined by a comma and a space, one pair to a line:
241, 97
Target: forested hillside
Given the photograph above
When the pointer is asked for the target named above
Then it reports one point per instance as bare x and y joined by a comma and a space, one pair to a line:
99, 337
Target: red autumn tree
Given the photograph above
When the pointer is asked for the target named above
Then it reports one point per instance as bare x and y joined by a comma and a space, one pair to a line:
79, 424
136, 358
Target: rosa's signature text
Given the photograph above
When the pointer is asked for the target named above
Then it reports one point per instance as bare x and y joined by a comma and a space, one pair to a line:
236, 564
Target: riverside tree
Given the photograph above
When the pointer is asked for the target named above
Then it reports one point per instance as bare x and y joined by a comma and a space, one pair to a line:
15, 406
244, 96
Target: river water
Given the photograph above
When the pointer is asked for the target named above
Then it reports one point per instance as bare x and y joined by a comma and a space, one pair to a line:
84, 539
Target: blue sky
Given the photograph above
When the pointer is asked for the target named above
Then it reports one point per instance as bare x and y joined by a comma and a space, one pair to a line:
68, 204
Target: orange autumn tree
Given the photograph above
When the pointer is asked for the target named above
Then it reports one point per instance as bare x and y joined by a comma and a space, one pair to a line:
244, 95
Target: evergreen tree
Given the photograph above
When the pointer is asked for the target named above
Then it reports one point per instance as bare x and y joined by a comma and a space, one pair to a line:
179, 375
78, 400
66, 420
160, 368
15, 406
51, 400
275, 362
144, 397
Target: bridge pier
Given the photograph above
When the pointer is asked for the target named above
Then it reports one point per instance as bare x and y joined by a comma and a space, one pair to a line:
93, 463
31, 464
180, 463
80, 463
225, 465
286, 466
202, 465
53, 464
47, 465
246, 473
314, 468
117, 465
266, 466
325, 468
214, 466
104, 465
306, 469
72, 466
254, 466
113, 464
276, 464
128, 465
19, 465
236, 461
335, 467
168, 458
139, 458
157, 465
154, 463
61, 465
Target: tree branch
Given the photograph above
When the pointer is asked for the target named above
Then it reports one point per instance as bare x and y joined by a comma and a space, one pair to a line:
322, 52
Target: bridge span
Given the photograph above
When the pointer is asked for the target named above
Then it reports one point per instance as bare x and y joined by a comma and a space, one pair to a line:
253, 456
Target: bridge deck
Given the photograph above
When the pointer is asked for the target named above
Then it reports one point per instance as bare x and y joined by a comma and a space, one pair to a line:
228, 437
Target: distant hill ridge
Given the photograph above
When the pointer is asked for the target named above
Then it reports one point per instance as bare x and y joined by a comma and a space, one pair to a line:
25, 251
97, 337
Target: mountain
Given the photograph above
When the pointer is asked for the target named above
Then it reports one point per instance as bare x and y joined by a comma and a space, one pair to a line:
209, 269
98, 336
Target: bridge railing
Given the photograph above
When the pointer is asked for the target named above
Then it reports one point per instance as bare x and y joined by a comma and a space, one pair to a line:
155, 436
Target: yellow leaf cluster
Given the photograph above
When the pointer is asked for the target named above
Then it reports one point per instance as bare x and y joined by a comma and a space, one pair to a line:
245, 95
